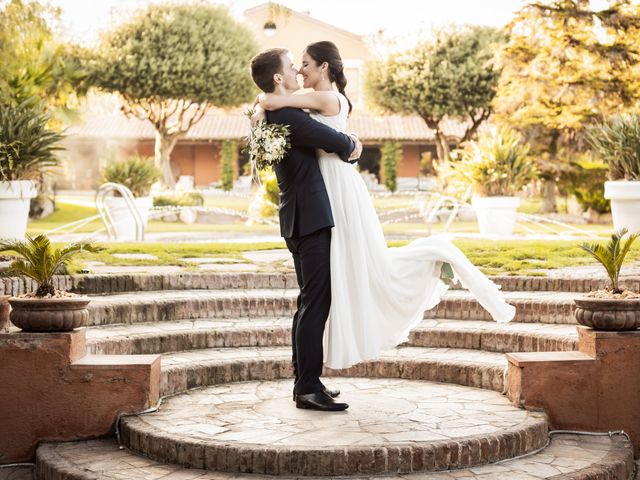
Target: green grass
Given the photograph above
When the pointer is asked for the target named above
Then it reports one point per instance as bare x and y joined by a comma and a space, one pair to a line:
169, 253
531, 257
525, 257
65, 213
516, 257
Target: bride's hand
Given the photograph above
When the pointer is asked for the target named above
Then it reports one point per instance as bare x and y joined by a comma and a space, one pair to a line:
258, 116
357, 151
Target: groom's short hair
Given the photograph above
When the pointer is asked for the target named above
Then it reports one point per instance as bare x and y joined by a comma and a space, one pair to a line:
265, 65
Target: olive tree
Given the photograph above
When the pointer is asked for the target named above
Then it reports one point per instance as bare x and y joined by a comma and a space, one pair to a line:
170, 63
452, 77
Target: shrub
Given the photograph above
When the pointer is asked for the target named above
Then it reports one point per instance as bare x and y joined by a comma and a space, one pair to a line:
138, 174
187, 199
617, 141
585, 182
228, 164
27, 145
498, 164
391, 154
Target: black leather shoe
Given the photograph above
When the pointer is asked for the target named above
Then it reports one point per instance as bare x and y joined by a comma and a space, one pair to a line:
319, 401
326, 391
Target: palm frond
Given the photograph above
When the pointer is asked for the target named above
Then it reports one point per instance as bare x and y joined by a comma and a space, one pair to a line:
612, 255
40, 260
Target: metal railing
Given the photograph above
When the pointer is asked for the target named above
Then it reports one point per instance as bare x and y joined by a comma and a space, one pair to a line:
105, 214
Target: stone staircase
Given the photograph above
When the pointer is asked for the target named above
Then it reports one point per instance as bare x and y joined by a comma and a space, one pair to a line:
432, 408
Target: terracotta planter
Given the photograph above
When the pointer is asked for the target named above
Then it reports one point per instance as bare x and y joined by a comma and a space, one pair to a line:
5, 308
49, 314
608, 314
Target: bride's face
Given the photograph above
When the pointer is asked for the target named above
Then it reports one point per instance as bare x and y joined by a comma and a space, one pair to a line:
311, 72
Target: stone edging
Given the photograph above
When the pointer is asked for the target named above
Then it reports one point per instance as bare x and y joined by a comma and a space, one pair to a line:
280, 335
119, 283
180, 378
416, 457
618, 463
242, 304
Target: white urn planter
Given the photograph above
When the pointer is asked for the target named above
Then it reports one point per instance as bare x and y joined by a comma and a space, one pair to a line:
625, 204
123, 218
15, 198
496, 215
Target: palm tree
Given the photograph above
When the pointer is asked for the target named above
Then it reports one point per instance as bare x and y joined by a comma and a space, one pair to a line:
40, 261
612, 255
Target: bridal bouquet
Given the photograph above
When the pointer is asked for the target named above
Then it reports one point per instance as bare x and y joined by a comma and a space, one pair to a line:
267, 144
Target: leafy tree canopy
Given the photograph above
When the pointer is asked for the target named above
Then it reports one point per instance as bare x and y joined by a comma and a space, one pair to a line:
34, 62
567, 65
195, 52
453, 77
170, 63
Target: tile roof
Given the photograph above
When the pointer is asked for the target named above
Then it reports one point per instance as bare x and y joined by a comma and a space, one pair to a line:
220, 125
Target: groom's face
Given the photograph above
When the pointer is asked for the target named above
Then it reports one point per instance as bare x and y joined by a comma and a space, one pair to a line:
289, 74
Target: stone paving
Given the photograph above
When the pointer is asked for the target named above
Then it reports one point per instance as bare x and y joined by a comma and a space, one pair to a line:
392, 426
566, 454
382, 411
16, 473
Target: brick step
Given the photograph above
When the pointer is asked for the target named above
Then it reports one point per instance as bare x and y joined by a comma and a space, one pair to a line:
568, 457
120, 283
199, 368
144, 307
392, 426
182, 335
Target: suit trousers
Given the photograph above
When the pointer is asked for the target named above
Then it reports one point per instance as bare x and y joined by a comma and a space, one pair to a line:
311, 254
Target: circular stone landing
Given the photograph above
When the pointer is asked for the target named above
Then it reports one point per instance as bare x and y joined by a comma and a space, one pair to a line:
391, 426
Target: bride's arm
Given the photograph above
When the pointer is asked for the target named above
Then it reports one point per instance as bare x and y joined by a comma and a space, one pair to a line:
325, 103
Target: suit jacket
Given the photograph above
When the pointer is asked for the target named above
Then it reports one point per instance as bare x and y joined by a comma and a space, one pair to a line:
304, 203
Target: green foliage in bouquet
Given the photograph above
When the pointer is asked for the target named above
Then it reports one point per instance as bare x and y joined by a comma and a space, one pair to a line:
267, 144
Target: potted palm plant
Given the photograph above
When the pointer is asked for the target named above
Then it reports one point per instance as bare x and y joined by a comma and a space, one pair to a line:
618, 143
614, 308
497, 166
138, 174
27, 147
47, 309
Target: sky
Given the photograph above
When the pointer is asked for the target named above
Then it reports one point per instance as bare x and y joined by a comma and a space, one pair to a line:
82, 20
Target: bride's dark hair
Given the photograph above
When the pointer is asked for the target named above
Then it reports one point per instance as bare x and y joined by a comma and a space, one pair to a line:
327, 52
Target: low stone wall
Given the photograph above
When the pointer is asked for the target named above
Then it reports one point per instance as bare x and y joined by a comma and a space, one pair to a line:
117, 283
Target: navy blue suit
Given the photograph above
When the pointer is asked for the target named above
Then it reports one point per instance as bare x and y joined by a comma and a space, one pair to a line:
305, 224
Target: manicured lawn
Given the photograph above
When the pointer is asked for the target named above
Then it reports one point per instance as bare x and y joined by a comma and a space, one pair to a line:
68, 213
516, 257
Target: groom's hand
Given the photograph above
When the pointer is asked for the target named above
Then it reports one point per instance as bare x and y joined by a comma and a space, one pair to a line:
357, 151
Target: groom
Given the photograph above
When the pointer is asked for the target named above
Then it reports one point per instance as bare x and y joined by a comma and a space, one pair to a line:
305, 223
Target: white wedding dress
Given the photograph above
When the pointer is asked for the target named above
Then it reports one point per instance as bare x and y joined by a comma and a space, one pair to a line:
378, 294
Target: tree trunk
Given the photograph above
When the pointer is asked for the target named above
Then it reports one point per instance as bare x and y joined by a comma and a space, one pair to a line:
549, 186
549, 196
163, 148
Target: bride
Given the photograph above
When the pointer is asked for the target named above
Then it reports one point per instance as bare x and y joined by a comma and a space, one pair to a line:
378, 294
